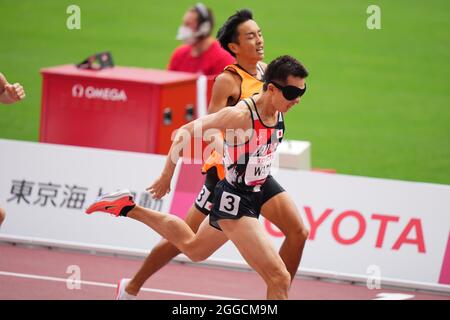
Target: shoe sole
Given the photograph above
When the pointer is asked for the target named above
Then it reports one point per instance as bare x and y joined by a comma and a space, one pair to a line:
115, 196
106, 200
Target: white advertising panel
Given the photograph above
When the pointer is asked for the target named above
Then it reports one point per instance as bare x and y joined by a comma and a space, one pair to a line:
358, 225
45, 189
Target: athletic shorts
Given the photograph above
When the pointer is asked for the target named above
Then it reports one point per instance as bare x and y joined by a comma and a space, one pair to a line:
232, 203
205, 198
270, 188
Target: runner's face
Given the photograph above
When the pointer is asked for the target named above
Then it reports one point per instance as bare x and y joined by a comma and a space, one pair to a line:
280, 102
250, 41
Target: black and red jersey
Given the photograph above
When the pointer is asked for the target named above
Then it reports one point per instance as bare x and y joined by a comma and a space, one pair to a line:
247, 165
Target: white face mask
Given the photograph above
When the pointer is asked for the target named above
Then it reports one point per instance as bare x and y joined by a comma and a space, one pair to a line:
187, 35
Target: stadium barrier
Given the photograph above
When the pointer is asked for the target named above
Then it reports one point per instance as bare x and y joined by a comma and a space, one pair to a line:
361, 229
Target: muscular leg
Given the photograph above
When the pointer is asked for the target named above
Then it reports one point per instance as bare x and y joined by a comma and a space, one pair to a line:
196, 246
161, 254
282, 212
255, 246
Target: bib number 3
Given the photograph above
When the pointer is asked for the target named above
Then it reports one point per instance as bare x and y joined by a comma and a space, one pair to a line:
229, 203
202, 196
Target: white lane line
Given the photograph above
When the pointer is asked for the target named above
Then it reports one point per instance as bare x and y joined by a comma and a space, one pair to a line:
393, 296
109, 285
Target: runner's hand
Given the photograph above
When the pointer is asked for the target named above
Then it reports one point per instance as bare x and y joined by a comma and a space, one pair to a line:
160, 187
14, 92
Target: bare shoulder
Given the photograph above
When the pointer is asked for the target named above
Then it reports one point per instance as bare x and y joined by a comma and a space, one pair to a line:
225, 91
226, 79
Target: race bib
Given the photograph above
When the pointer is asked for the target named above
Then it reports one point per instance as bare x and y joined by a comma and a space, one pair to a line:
258, 169
202, 197
229, 203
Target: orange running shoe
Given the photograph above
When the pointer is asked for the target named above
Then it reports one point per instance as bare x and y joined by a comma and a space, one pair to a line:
118, 203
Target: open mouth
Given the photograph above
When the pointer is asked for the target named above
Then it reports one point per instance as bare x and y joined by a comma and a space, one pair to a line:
260, 50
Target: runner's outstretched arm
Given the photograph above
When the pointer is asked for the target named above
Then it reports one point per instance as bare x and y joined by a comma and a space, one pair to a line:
227, 118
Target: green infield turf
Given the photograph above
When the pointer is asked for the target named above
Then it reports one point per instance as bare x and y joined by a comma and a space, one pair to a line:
378, 101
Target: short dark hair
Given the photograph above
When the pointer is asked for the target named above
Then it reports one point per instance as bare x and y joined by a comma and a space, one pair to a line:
228, 32
283, 67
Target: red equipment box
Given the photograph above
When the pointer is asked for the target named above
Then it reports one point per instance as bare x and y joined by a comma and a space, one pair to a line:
121, 108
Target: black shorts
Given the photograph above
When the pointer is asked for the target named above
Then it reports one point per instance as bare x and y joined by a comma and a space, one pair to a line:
205, 198
270, 188
232, 203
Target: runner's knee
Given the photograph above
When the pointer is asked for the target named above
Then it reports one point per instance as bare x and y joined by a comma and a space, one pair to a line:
296, 232
194, 253
298, 236
199, 256
280, 279
301, 234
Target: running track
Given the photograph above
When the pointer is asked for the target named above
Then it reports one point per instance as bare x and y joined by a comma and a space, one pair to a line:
40, 273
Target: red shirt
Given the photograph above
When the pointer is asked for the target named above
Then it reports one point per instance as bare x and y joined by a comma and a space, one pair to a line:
210, 62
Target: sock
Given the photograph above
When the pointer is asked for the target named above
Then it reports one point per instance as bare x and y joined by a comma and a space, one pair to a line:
125, 210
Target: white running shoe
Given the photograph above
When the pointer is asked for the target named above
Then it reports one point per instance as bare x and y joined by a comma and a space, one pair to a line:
121, 294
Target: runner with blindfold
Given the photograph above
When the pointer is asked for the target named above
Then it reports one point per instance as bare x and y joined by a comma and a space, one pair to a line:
242, 38
238, 198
